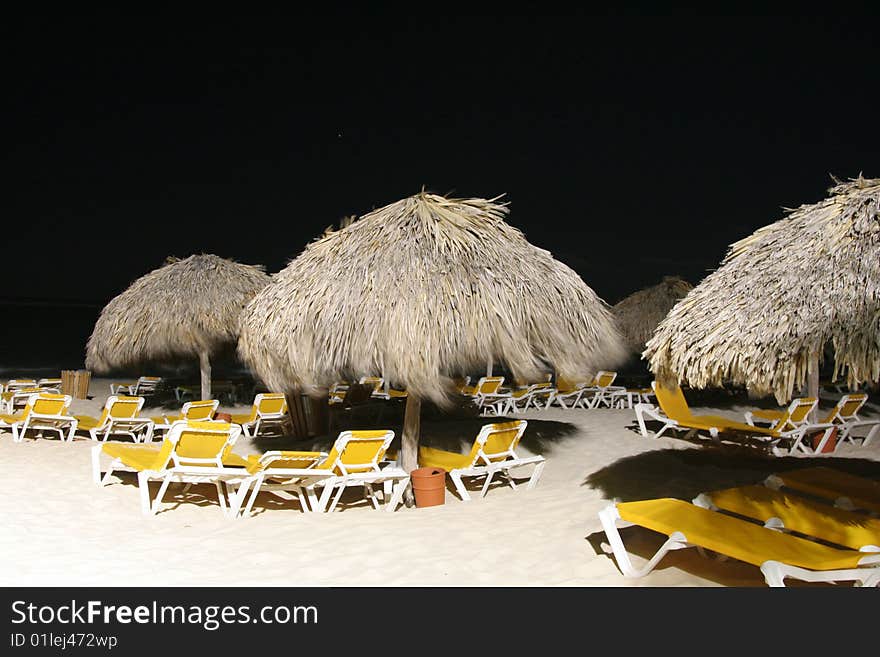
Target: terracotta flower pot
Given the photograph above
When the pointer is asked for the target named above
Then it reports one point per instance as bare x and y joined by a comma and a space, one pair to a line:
429, 486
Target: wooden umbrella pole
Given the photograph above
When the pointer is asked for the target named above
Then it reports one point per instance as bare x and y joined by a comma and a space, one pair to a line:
205, 366
813, 383
409, 441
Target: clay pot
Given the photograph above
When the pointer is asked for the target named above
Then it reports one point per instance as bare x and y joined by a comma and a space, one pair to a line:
429, 486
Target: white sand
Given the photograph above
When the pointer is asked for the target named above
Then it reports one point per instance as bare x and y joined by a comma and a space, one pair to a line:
59, 528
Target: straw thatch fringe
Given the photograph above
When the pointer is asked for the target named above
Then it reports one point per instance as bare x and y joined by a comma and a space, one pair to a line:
183, 308
780, 295
638, 314
422, 290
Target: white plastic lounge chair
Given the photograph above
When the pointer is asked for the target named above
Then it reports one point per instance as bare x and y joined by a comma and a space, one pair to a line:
568, 394
43, 411
379, 391
337, 392
15, 384
191, 453
196, 411
673, 411
269, 415
355, 460
535, 395
845, 414
629, 397
145, 385
493, 452
488, 394
601, 391
15, 399
779, 555
120, 416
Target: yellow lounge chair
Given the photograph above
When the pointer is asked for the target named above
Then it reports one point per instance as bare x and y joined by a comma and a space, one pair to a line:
796, 414
674, 413
50, 385
795, 513
120, 415
197, 411
16, 384
43, 411
379, 391
269, 415
779, 555
844, 490
16, 398
493, 452
354, 460
488, 394
535, 395
337, 392
145, 385
568, 393
845, 414
600, 392
191, 452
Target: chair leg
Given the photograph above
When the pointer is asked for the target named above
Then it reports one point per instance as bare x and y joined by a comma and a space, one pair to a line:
221, 496
161, 494
536, 475
340, 490
257, 483
96, 464
459, 486
608, 517
113, 465
397, 497
144, 488
370, 493
488, 481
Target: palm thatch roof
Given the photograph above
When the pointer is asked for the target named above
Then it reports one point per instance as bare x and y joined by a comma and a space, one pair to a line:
186, 307
421, 290
638, 314
780, 295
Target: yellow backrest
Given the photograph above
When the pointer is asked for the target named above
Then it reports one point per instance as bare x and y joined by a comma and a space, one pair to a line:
48, 404
672, 402
564, 385
358, 451
846, 407
123, 407
202, 440
496, 439
796, 414
199, 410
272, 403
488, 385
605, 379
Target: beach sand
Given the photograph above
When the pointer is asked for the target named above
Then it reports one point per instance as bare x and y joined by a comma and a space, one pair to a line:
60, 529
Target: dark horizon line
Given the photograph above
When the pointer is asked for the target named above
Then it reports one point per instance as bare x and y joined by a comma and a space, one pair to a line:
51, 302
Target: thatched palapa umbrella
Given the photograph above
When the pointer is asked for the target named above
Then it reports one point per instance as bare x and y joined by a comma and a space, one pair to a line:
639, 313
422, 290
780, 295
188, 307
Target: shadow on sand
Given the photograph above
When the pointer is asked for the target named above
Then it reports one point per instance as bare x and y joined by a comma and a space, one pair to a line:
685, 473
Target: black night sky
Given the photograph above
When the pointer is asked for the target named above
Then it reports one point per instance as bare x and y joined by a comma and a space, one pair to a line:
631, 147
